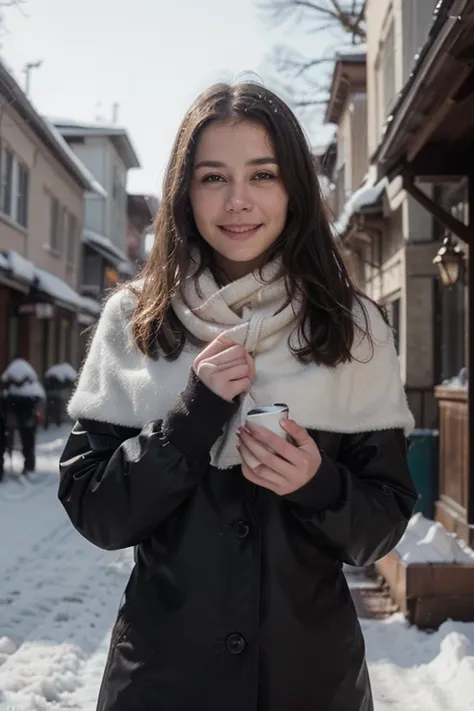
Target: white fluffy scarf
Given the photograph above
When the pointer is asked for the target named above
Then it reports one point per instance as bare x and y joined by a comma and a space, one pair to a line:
120, 385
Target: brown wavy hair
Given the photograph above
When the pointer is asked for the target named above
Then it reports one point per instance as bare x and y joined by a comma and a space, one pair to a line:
312, 262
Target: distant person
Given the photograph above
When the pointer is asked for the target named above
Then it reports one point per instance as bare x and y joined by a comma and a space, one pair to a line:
237, 601
22, 395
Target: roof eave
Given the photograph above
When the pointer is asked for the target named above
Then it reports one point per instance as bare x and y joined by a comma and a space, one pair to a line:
38, 125
429, 53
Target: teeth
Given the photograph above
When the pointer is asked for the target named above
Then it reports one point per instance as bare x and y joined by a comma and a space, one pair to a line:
240, 230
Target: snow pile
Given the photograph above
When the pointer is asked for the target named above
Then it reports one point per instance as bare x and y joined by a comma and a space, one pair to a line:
21, 268
18, 371
425, 541
459, 382
411, 670
64, 372
368, 194
57, 288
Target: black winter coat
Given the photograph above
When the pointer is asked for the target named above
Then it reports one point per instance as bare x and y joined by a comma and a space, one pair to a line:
237, 601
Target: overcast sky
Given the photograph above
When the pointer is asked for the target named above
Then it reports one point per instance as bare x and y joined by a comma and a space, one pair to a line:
152, 57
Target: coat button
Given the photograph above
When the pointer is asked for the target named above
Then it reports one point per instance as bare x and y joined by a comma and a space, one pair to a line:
241, 529
235, 643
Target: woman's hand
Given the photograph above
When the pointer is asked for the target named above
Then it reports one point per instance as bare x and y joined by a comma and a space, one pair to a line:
225, 367
271, 462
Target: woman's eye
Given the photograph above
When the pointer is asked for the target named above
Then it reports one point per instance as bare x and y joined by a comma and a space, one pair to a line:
212, 178
265, 175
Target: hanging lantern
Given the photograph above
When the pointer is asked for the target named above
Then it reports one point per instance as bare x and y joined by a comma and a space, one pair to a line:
449, 261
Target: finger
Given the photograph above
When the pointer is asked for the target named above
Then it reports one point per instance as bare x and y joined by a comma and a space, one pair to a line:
236, 372
238, 387
219, 344
302, 438
248, 458
266, 457
230, 354
280, 446
271, 482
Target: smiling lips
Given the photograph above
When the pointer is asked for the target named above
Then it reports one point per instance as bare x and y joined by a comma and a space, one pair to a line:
240, 231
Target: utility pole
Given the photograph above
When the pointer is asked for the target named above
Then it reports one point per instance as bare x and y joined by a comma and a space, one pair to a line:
27, 71
115, 113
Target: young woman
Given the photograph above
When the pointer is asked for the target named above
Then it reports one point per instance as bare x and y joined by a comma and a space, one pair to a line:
237, 600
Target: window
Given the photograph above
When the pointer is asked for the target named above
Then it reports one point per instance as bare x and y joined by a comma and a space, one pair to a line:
115, 183
14, 186
393, 313
63, 226
7, 180
22, 194
71, 239
385, 88
55, 226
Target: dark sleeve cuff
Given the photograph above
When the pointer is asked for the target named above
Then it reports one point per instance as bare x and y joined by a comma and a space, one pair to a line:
322, 491
197, 418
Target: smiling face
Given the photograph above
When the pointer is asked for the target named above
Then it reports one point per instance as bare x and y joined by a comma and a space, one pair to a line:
238, 200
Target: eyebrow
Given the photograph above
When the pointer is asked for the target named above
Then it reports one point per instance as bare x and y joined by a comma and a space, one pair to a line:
264, 160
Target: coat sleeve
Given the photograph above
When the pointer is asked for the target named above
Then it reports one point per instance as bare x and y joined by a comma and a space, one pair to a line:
118, 485
361, 504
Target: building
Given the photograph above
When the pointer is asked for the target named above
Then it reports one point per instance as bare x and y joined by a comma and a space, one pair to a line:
345, 161
399, 235
428, 148
108, 154
141, 211
41, 216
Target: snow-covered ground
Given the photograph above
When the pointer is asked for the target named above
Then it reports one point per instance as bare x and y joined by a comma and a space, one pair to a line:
59, 596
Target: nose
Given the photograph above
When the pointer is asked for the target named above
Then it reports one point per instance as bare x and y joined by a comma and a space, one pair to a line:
238, 198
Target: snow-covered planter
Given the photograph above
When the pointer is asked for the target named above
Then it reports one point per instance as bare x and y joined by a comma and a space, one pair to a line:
59, 382
430, 575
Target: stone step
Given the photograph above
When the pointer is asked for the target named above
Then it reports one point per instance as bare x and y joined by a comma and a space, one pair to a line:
370, 593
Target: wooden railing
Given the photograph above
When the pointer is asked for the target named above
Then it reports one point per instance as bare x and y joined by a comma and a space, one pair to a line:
451, 506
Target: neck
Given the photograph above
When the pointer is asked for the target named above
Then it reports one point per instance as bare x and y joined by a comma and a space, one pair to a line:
232, 271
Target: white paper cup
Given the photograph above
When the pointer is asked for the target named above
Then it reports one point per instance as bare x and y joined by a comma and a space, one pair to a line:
270, 418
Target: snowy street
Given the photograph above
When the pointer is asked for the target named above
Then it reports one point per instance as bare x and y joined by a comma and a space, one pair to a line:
59, 596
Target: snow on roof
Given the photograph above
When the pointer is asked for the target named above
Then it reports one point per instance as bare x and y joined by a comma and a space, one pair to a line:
91, 237
15, 95
368, 194
95, 186
90, 305
117, 134
322, 138
20, 267
4, 263
352, 52
57, 288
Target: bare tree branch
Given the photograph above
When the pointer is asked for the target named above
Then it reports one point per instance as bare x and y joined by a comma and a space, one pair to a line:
8, 4
304, 77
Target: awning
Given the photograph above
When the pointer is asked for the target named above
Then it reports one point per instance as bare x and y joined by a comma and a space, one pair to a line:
105, 248
434, 113
57, 289
430, 136
366, 199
